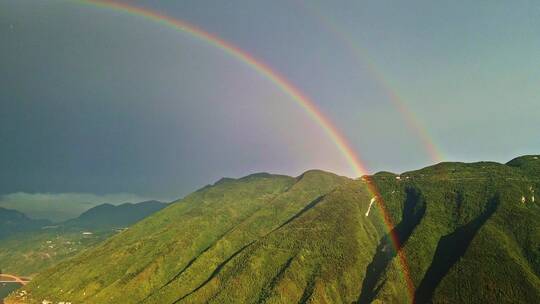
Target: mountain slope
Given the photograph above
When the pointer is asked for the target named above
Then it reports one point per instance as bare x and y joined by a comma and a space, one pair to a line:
12, 221
478, 240
30, 250
206, 227
467, 232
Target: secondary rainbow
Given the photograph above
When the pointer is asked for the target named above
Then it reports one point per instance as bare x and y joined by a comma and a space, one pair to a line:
365, 60
284, 85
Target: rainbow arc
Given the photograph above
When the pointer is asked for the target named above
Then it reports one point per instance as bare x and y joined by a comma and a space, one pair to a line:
285, 86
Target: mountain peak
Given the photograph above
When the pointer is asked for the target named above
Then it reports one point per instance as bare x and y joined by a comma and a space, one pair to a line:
258, 175
527, 163
106, 215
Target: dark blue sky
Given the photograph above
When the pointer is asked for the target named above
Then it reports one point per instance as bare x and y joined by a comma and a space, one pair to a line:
103, 102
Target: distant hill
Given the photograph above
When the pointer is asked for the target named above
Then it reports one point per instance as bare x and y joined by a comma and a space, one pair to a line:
60, 207
528, 163
449, 233
36, 245
12, 221
108, 216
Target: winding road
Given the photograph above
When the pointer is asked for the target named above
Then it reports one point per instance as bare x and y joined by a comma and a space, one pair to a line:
8, 278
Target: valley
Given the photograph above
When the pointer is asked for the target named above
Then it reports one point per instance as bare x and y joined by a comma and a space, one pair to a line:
29, 251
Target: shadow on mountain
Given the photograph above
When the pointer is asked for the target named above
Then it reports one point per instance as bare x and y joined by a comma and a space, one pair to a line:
215, 272
267, 290
450, 249
304, 210
310, 287
413, 211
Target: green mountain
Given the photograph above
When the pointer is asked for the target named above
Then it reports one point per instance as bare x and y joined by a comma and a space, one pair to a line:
12, 221
35, 246
108, 216
450, 233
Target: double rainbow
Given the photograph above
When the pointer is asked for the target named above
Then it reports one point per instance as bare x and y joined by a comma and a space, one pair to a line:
284, 85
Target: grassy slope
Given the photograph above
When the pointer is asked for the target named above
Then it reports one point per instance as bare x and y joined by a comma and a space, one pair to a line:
208, 225
317, 255
464, 229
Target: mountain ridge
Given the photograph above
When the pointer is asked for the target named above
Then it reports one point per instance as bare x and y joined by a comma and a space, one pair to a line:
463, 229
106, 216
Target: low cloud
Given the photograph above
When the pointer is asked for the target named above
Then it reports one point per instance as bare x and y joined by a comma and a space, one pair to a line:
62, 206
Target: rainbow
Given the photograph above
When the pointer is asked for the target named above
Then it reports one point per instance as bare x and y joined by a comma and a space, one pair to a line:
363, 58
284, 85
